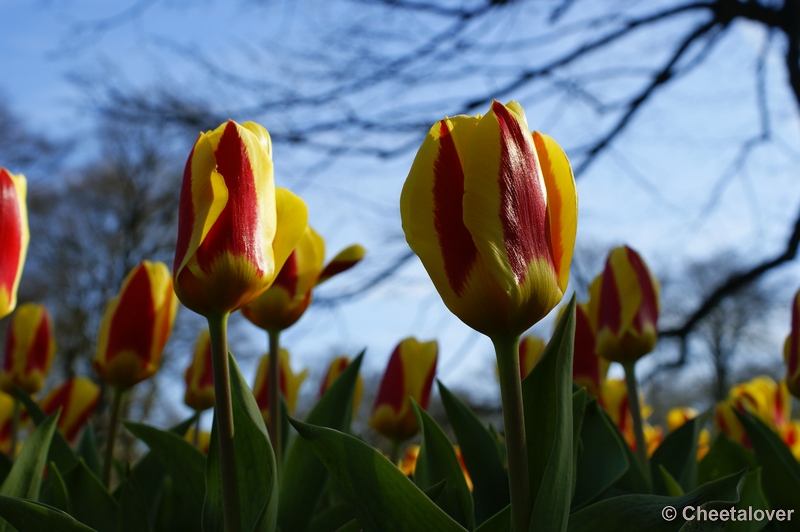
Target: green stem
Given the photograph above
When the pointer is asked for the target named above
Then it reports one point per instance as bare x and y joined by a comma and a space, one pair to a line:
12, 451
223, 414
113, 428
275, 396
196, 438
636, 414
507, 350
395, 451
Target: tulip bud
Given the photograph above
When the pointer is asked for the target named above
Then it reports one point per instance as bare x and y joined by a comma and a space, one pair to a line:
136, 326
29, 349
282, 304
77, 398
289, 382
588, 369
409, 374
791, 350
235, 229
679, 416
337, 366
199, 376
491, 210
408, 462
624, 304
14, 237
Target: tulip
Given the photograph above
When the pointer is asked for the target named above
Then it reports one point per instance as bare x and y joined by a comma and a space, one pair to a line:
77, 399
614, 399
791, 350
491, 210
29, 349
408, 462
135, 327
289, 384
199, 376
790, 434
7, 407
588, 369
409, 374
681, 415
14, 237
762, 397
280, 306
235, 229
336, 367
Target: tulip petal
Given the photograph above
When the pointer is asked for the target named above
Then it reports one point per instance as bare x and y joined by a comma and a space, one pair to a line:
292, 220
343, 261
29, 349
14, 237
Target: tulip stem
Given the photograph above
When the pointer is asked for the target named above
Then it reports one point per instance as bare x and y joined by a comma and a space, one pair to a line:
12, 451
196, 436
275, 396
223, 416
507, 351
636, 414
395, 451
113, 428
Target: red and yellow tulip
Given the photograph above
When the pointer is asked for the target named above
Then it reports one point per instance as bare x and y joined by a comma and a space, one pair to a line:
762, 397
491, 210
199, 376
791, 350
408, 462
77, 398
289, 383
136, 326
282, 304
409, 374
624, 305
588, 369
235, 229
336, 367
6, 421
681, 415
14, 237
29, 349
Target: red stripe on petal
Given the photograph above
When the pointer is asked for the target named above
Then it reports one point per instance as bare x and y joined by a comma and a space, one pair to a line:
80, 420
133, 322
59, 399
337, 267
392, 390
648, 309
610, 304
287, 278
455, 241
523, 207
11, 234
586, 362
185, 214
237, 230
40, 348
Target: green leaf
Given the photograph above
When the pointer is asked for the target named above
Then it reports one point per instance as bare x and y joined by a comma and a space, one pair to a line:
437, 461
29, 516
634, 480
304, 476
255, 465
382, 497
60, 493
25, 477
60, 451
91, 502
547, 400
751, 496
579, 399
724, 458
185, 464
780, 473
500, 522
603, 459
673, 488
678, 455
87, 449
352, 526
479, 451
5, 467
639, 513
133, 516
332, 519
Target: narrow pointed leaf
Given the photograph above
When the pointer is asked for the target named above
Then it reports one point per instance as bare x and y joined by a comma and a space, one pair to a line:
87, 449
91, 502
304, 476
382, 497
500, 522
724, 458
25, 477
29, 516
60, 451
547, 400
60, 494
678, 455
132, 513
479, 450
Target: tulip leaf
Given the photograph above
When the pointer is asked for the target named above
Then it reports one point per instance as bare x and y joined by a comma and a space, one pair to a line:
60, 451
499, 522
87, 449
751, 495
255, 465
671, 486
547, 401
437, 461
780, 471
352, 526
725, 457
479, 451
579, 400
5, 467
30, 516
634, 480
90, 501
304, 476
636, 513
133, 516
25, 477
331, 519
382, 497
185, 464
602, 460
60, 493
678, 455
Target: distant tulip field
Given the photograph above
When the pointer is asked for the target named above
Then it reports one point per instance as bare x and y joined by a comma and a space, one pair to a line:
491, 210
